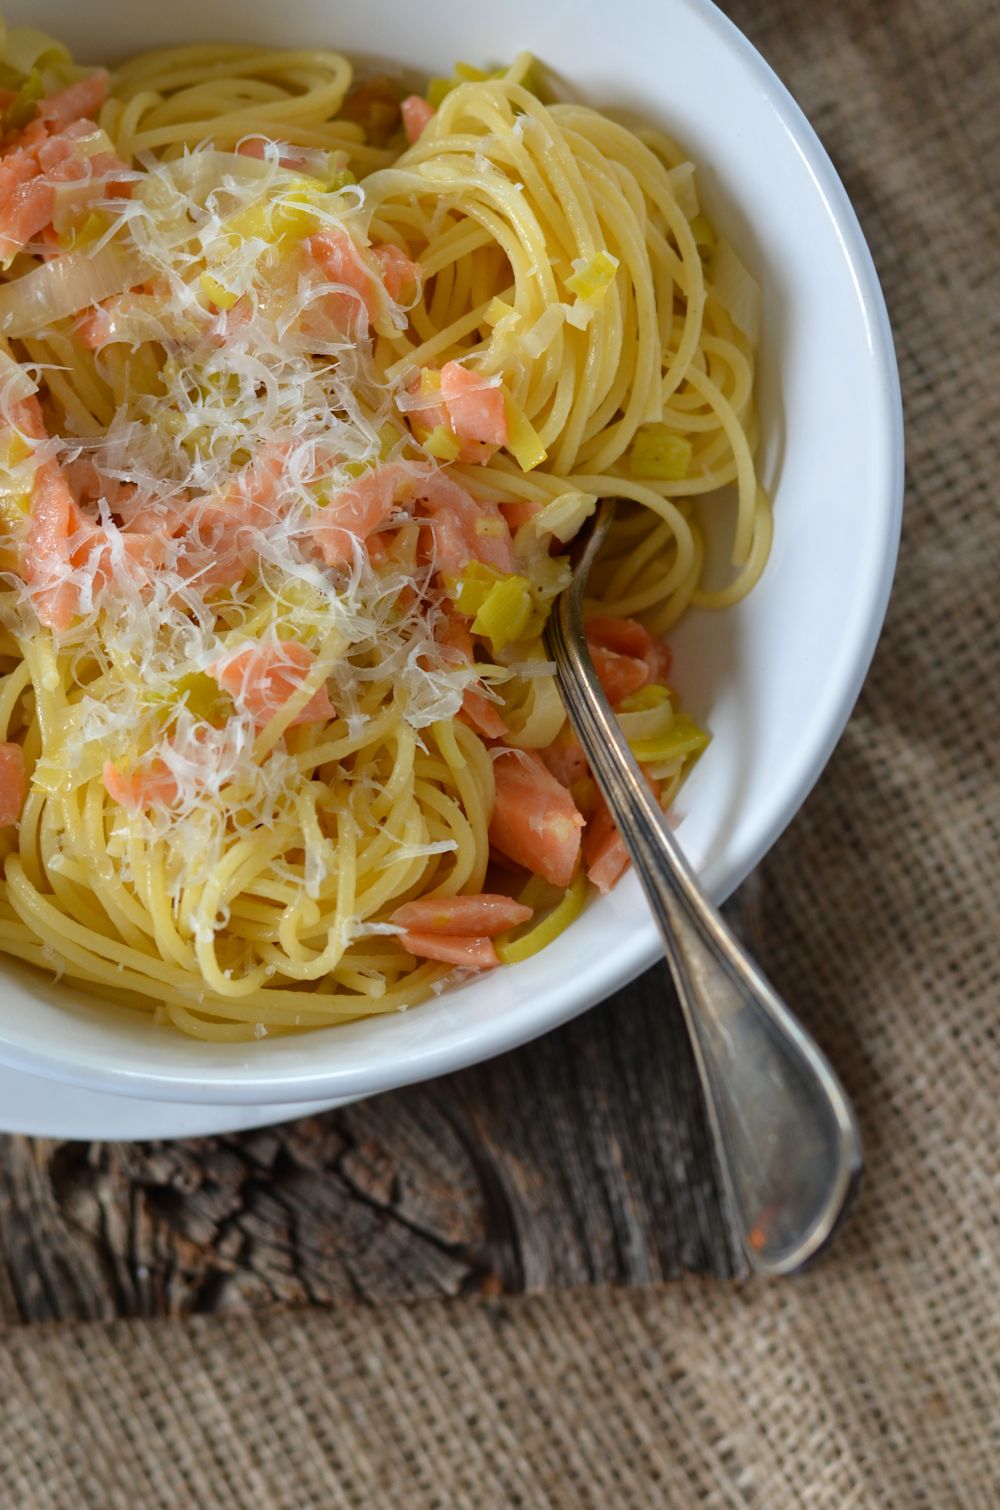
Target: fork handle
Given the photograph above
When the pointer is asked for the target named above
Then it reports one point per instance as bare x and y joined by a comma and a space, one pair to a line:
786, 1138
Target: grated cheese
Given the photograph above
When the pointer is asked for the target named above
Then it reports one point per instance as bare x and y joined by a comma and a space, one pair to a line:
259, 411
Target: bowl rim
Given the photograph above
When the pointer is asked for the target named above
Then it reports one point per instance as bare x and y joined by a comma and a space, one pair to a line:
641, 947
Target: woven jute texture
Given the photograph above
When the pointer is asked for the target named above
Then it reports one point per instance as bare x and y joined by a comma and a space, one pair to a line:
872, 1381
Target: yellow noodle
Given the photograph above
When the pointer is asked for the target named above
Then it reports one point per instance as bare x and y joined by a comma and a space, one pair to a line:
501, 201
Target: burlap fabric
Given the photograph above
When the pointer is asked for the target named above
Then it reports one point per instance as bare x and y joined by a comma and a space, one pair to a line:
873, 1381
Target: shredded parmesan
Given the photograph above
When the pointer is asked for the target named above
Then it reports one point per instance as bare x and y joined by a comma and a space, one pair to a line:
200, 499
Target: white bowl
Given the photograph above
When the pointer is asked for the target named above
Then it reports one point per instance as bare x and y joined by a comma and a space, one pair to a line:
775, 677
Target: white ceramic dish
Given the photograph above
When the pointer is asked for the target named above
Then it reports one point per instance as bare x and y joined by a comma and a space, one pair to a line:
776, 678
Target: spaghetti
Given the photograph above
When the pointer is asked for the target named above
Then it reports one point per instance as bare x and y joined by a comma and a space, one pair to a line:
297, 422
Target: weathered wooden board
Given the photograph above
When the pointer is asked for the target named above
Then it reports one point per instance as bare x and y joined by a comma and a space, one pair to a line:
580, 1159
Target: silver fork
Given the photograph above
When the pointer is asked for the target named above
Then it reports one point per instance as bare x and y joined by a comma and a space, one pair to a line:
786, 1138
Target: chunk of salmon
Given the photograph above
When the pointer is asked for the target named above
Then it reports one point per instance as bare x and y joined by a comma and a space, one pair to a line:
137, 315
261, 679
28, 139
61, 541
518, 512
59, 156
535, 821
380, 547
49, 243
116, 179
363, 277
629, 637
256, 491
484, 915
27, 212
58, 540
98, 327
62, 159
465, 528
84, 479
482, 715
137, 552
34, 165
620, 675
471, 408
455, 639
216, 544
478, 710
565, 758
149, 783
19, 155
76, 101
90, 486
604, 850
474, 953
129, 317
217, 531
400, 274
17, 172
433, 415
416, 113
475, 405
83, 99
13, 782
26, 417
356, 511
340, 261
